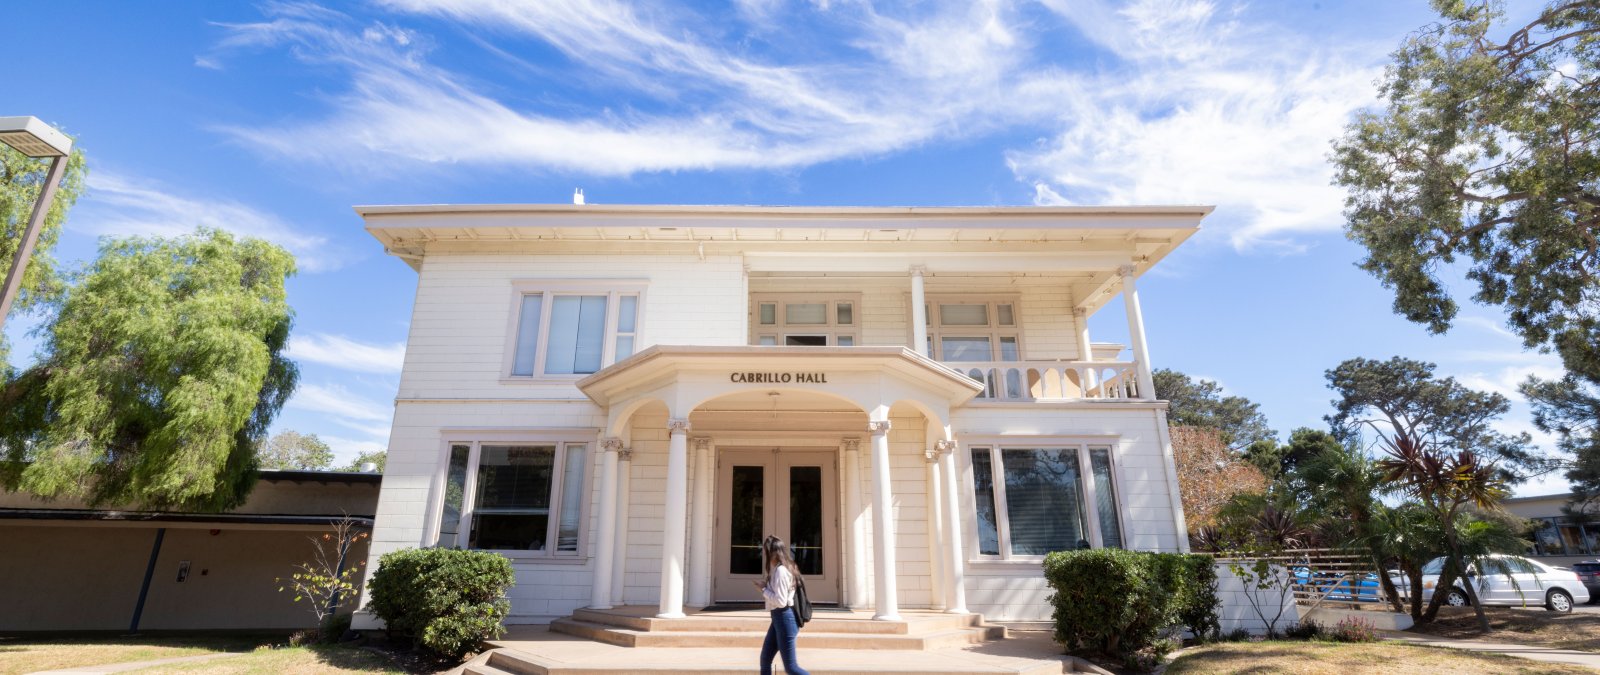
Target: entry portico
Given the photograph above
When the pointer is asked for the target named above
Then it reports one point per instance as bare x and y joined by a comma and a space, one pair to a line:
782, 396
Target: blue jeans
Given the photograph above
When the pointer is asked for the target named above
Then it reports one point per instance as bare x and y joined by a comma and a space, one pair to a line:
780, 640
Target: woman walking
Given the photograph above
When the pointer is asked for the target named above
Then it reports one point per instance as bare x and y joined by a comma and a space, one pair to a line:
779, 575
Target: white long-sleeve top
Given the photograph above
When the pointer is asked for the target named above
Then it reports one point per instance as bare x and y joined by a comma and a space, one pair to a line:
779, 591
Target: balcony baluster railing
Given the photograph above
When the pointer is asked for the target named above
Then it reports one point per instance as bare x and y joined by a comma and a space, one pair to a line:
1052, 380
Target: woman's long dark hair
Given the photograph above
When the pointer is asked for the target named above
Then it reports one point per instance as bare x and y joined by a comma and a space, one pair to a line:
773, 549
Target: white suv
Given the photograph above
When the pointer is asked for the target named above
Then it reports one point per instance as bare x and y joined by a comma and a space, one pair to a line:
1530, 583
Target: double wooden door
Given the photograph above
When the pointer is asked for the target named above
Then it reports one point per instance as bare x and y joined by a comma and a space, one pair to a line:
792, 494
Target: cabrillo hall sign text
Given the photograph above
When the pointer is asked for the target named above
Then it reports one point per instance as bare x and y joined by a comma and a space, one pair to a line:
779, 378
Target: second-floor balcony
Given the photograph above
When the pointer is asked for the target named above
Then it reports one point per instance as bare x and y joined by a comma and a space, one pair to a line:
1026, 381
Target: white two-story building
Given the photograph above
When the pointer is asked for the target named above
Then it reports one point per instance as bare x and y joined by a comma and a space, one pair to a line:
625, 399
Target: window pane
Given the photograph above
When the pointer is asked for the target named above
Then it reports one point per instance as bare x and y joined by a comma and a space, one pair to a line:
805, 340
983, 489
769, 313
627, 313
455, 486
1004, 314
1008, 349
844, 314
768, 340
744, 536
964, 315
512, 507
966, 349
577, 334
847, 341
624, 347
1043, 505
812, 313
1105, 493
527, 334
571, 497
805, 517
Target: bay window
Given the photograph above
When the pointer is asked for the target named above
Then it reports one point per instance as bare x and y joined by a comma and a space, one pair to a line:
560, 331
1034, 500
523, 496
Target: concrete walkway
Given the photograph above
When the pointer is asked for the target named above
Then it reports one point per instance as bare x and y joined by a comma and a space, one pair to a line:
136, 665
1547, 654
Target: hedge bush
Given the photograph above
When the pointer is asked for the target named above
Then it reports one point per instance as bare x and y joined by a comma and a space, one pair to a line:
444, 600
1122, 603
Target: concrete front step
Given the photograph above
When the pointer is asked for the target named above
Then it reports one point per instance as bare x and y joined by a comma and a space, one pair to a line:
755, 621
748, 639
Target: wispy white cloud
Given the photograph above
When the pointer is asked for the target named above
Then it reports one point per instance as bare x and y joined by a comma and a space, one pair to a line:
347, 449
120, 205
343, 407
347, 354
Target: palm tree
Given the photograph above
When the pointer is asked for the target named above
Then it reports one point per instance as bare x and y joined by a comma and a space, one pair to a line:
1344, 486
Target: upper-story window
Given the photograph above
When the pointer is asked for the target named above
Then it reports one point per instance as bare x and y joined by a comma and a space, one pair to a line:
561, 330
1034, 500
805, 320
974, 329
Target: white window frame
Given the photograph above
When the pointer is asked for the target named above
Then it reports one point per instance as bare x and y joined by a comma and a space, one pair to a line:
476, 439
832, 330
613, 289
994, 331
1086, 488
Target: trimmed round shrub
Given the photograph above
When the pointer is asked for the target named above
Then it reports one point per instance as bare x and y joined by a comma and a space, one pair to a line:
446, 601
1123, 603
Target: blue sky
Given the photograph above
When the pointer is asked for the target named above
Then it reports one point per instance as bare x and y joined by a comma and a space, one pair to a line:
273, 119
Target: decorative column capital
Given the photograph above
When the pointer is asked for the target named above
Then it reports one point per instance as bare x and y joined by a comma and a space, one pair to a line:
878, 427
625, 455
938, 450
1080, 312
701, 442
851, 444
919, 270
611, 444
678, 425
1125, 271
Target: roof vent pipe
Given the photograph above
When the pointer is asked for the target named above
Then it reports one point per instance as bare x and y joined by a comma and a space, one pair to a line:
577, 196
369, 467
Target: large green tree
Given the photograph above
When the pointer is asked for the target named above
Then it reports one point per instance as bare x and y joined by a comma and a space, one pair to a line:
1201, 403
21, 178
1570, 408
1487, 153
294, 450
163, 368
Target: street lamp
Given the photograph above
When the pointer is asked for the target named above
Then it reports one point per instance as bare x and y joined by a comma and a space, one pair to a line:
34, 138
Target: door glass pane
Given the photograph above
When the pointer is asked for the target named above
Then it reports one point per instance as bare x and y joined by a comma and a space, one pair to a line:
845, 313
1005, 315
810, 313
769, 313
805, 340
527, 334
1105, 494
805, 517
983, 489
627, 313
577, 334
966, 349
1043, 504
455, 485
571, 498
512, 508
964, 315
1008, 349
745, 530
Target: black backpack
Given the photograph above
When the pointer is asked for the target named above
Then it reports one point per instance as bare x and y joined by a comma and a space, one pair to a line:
802, 604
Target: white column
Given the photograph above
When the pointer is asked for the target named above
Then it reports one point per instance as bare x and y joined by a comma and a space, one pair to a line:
1080, 322
919, 313
955, 560
674, 514
1141, 354
605, 539
857, 583
887, 606
619, 568
700, 525
936, 560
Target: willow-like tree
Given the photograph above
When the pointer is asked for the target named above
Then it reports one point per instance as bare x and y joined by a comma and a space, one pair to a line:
1487, 155
296, 451
162, 369
21, 178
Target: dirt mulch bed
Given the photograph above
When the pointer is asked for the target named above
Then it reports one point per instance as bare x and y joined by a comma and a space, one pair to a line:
1331, 658
1578, 630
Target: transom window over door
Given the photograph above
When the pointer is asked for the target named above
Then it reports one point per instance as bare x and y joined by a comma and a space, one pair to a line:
514, 496
973, 329
571, 332
804, 320
1031, 501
